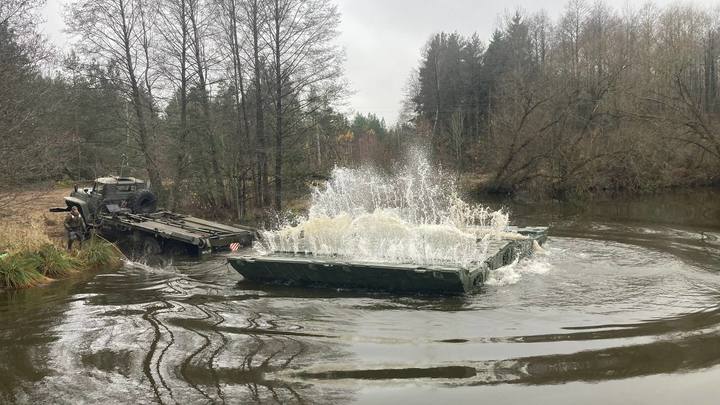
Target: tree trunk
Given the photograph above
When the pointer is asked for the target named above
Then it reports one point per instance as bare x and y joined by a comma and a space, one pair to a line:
243, 136
207, 115
278, 113
144, 138
180, 159
263, 187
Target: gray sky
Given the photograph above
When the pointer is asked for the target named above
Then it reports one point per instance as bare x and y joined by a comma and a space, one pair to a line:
383, 39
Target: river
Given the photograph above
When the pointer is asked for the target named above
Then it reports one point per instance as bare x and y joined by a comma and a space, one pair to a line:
622, 307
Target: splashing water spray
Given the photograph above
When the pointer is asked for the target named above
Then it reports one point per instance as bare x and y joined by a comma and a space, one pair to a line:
414, 215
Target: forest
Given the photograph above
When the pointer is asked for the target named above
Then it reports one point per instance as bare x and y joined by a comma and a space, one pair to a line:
595, 101
223, 105
236, 106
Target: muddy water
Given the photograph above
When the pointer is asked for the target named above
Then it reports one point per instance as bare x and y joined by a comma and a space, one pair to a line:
623, 307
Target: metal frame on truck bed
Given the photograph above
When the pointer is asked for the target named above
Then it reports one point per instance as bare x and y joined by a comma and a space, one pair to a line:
166, 226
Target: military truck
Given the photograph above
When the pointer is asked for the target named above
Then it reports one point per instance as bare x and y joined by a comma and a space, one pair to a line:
125, 210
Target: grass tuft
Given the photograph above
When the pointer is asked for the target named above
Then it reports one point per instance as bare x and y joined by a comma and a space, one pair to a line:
55, 263
19, 271
99, 254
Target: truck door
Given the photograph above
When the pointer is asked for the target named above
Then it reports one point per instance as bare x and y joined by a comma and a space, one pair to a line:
96, 197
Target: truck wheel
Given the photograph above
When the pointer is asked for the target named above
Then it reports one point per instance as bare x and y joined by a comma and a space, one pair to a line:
143, 202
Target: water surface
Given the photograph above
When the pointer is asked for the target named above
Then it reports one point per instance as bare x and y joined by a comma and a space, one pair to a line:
623, 307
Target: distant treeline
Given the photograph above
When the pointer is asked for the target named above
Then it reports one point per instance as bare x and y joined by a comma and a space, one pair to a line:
230, 106
225, 105
597, 100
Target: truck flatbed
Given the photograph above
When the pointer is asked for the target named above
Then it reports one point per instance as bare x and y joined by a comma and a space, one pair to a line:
187, 230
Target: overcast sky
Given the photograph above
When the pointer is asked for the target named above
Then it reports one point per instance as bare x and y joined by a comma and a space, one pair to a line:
383, 39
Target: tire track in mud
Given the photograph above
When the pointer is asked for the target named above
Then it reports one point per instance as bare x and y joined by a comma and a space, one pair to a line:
150, 317
207, 343
197, 365
213, 356
248, 359
263, 335
282, 340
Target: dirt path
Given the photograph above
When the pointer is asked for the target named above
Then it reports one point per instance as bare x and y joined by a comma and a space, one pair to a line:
33, 205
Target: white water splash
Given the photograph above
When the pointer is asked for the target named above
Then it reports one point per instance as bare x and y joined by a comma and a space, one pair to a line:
412, 216
514, 272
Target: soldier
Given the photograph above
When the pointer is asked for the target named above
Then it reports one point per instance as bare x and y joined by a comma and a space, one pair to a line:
75, 227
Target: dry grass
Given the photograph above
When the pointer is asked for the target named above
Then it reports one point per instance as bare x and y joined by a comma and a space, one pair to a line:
16, 237
32, 239
16, 204
28, 219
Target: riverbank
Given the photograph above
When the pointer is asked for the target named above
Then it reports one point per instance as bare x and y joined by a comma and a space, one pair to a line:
32, 248
481, 185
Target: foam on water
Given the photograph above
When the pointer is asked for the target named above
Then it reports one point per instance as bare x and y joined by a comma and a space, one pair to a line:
413, 215
514, 272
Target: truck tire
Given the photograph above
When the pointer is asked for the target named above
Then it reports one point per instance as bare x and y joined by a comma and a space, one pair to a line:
143, 202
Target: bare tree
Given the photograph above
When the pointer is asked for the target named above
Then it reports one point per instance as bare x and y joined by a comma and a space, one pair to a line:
457, 124
230, 21
200, 27
175, 30
16, 14
299, 34
254, 22
570, 32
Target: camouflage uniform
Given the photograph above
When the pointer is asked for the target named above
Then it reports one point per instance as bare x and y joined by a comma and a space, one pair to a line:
75, 227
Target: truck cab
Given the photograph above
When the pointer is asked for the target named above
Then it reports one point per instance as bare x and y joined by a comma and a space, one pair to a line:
112, 194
